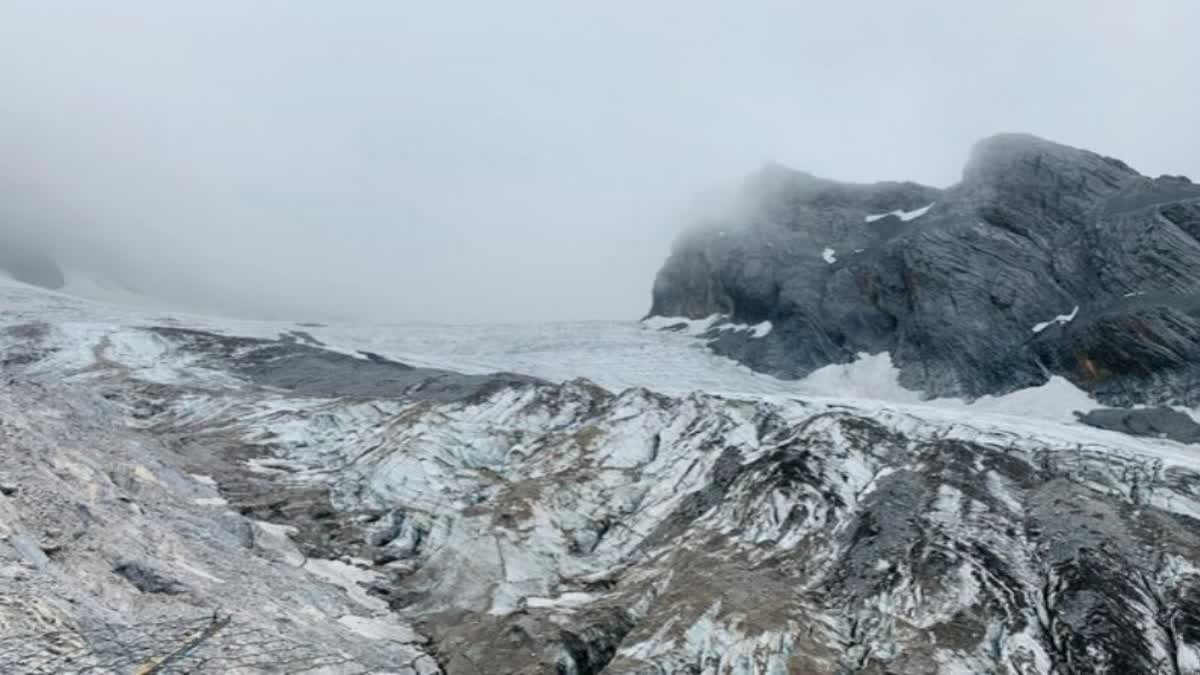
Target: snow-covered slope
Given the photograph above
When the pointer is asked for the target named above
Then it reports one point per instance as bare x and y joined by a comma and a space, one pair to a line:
641, 507
615, 355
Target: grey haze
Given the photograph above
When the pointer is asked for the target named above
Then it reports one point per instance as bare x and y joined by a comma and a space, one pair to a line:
464, 161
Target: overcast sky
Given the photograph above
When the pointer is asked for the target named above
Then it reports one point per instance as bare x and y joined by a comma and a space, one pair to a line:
517, 160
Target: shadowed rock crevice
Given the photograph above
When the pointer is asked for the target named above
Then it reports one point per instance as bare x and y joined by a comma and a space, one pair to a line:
146, 579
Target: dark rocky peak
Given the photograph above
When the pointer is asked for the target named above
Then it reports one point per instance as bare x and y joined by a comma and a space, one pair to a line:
1168, 193
1040, 262
1038, 188
1018, 160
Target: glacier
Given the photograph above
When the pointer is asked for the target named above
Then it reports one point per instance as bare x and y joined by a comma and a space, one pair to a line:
580, 498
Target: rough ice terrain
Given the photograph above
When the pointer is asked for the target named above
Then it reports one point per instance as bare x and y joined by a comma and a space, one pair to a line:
573, 498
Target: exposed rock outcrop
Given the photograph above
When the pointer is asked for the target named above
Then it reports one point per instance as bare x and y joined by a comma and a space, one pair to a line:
311, 370
1158, 422
1043, 260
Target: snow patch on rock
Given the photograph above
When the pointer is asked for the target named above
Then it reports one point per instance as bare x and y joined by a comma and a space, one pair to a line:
1061, 319
901, 214
682, 325
758, 330
381, 629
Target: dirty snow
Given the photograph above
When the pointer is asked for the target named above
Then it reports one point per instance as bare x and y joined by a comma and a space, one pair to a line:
348, 578
385, 628
568, 600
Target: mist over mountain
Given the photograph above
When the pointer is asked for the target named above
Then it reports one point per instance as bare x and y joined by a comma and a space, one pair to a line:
24, 260
320, 348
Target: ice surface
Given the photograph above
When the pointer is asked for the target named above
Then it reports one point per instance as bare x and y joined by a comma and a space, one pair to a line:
380, 629
616, 355
349, 578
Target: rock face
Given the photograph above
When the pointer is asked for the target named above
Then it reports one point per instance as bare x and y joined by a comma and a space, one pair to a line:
1158, 422
1043, 260
310, 370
